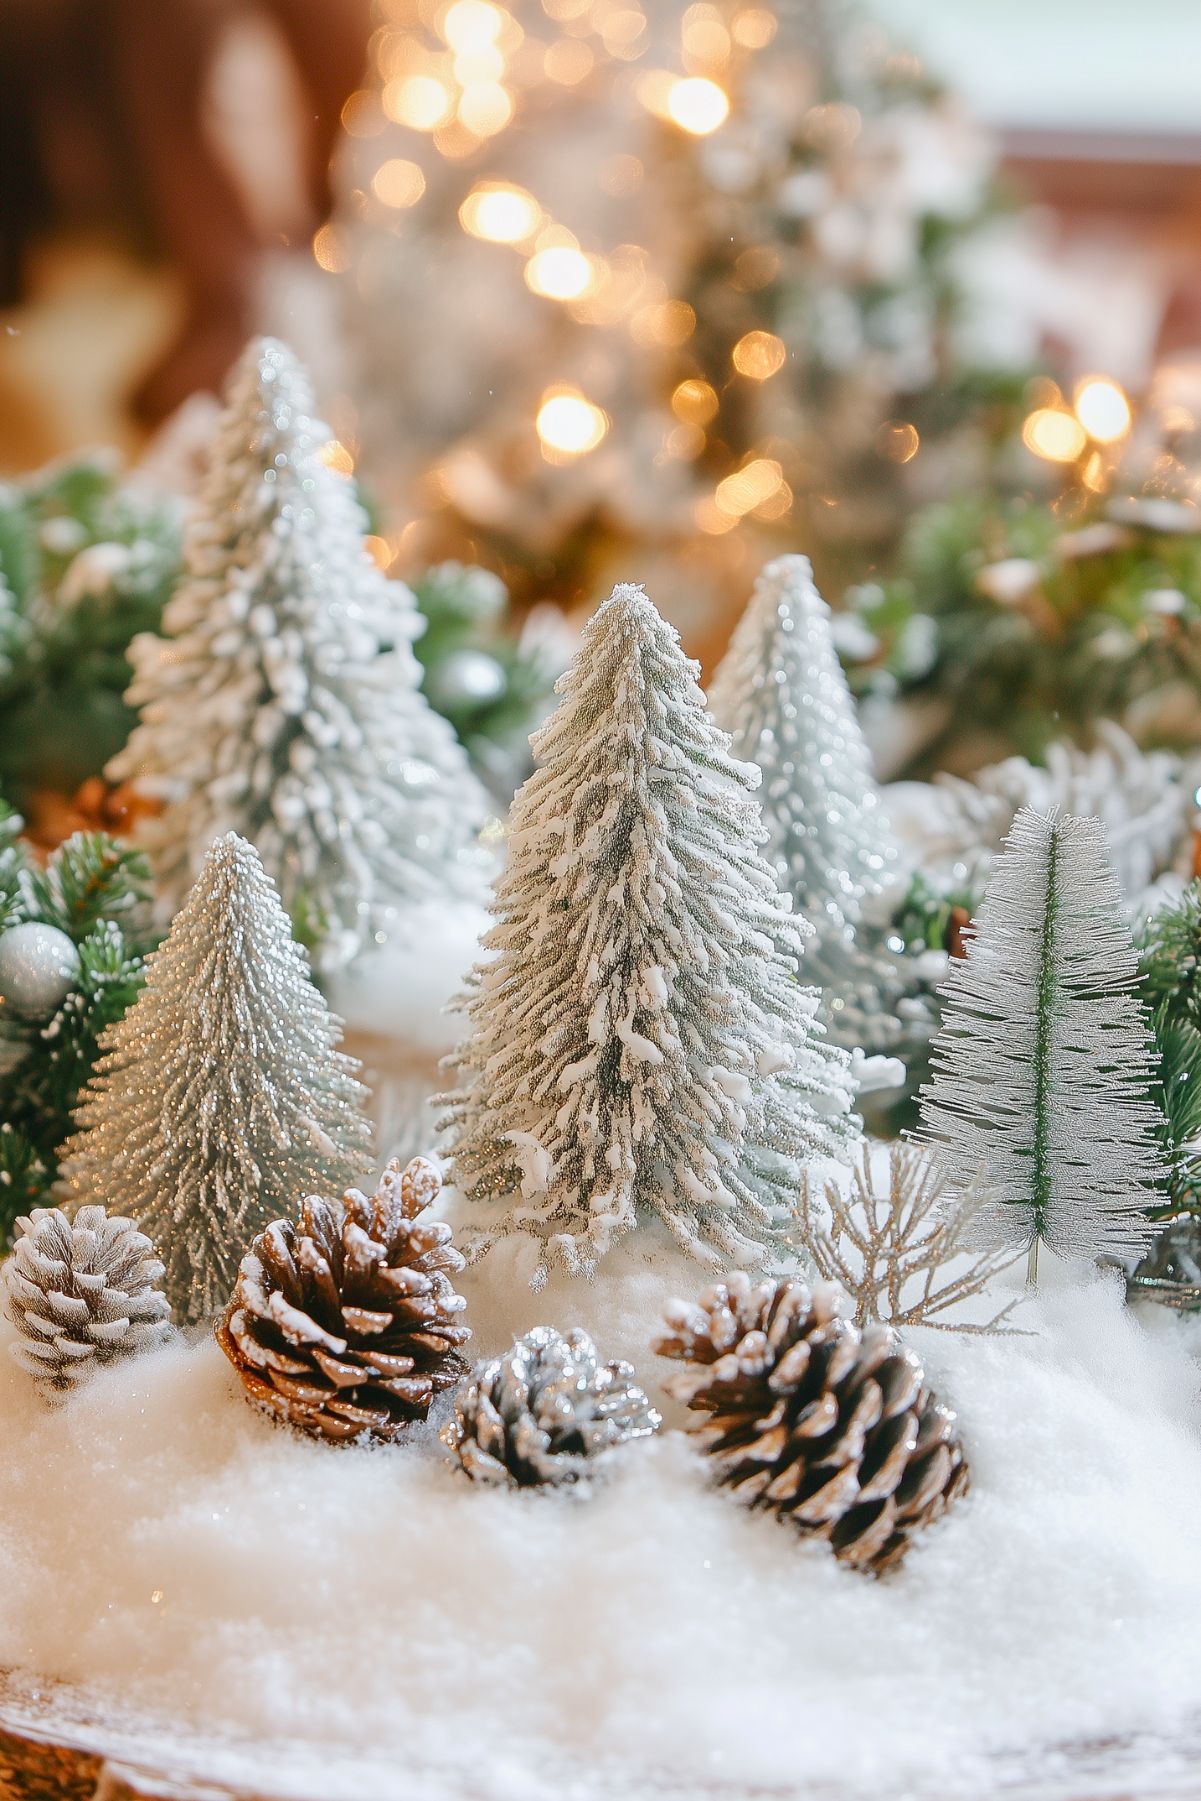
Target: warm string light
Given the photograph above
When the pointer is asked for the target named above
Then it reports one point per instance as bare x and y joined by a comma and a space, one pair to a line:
569, 424
698, 105
1099, 415
1102, 409
460, 74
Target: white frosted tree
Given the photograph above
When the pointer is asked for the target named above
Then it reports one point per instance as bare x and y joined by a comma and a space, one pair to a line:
1044, 1066
781, 694
220, 1099
283, 699
641, 1041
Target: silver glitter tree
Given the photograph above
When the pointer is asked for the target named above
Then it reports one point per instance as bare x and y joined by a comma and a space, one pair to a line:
781, 694
640, 1039
1044, 1064
220, 1099
283, 700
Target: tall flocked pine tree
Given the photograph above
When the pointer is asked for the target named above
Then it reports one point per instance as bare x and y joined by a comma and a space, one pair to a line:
220, 1099
781, 694
641, 1042
1044, 1065
284, 699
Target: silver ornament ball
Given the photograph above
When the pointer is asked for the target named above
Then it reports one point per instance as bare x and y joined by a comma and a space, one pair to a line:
38, 966
466, 676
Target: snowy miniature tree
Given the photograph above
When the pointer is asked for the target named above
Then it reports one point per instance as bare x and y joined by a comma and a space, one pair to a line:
641, 1040
781, 694
220, 1099
1044, 1066
283, 700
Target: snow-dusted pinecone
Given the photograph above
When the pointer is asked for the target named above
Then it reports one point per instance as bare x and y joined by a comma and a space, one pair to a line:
81, 1292
545, 1411
829, 1424
346, 1322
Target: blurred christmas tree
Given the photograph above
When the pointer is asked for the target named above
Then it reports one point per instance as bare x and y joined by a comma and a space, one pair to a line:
724, 252
89, 555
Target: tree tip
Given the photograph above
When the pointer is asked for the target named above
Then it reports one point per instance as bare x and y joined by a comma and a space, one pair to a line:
266, 364
792, 576
628, 596
231, 850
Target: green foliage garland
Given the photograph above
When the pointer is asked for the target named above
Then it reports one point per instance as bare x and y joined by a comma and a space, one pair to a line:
1026, 621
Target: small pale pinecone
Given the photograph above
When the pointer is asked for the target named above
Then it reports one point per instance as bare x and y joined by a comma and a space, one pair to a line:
828, 1423
346, 1323
545, 1411
81, 1292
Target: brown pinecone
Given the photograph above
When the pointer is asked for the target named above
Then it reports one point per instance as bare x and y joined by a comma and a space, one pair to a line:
829, 1424
346, 1323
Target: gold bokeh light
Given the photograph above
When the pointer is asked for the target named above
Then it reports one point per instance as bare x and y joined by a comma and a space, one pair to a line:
421, 102
695, 402
1054, 435
1102, 408
698, 105
472, 25
759, 355
485, 107
398, 182
569, 424
559, 272
501, 214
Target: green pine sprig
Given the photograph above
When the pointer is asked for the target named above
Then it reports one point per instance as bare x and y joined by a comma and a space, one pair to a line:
24, 1179
1169, 945
96, 890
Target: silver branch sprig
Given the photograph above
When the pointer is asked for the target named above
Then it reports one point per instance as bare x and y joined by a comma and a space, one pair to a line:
907, 1256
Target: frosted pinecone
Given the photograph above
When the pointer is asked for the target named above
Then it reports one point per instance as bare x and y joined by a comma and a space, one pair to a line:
346, 1323
81, 1292
546, 1411
828, 1424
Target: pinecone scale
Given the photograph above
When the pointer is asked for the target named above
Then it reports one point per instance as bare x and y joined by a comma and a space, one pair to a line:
829, 1425
346, 1322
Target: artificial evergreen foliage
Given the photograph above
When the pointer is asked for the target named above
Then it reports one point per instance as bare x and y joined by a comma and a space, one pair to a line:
94, 892
781, 694
1170, 983
1043, 1066
87, 559
490, 683
640, 1041
220, 1099
283, 700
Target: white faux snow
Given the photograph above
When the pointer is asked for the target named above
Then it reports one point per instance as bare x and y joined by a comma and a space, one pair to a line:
403, 988
396, 1002
165, 1544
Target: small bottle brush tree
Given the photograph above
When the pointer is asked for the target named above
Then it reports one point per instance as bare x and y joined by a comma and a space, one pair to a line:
220, 1099
641, 1041
1044, 1067
781, 694
283, 700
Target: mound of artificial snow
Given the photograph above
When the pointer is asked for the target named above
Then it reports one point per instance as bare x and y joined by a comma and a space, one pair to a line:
396, 1004
402, 989
163, 1544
